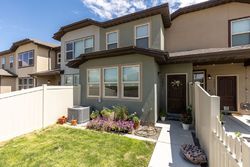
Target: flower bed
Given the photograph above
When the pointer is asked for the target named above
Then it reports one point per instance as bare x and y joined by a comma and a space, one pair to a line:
116, 119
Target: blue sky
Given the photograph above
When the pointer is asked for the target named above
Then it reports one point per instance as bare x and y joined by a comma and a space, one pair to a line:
40, 19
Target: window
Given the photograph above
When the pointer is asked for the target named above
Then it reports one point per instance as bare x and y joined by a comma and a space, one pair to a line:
3, 62
240, 32
58, 58
131, 82
112, 40
93, 82
25, 83
71, 79
26, 59
110, 80
75, 48
11, 61
142, 36
200, 76
88, 45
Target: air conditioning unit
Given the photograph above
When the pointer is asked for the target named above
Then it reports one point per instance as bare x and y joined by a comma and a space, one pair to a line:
79, 113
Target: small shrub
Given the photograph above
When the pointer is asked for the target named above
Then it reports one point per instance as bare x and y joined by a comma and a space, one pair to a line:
187, 116
121, 113
136, 122
107, 113
95, 114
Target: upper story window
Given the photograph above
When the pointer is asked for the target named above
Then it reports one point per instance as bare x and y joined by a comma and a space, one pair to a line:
26, 59
112, 40
89, 45
3, 62
78, 47
142, 36
11, 61
58, 58
240, 32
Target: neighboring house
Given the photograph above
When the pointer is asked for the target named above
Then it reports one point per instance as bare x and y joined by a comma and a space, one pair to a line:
29, 63
133, 54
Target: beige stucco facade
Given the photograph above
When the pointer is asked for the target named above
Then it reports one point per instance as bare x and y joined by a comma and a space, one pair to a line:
44, 60
237, 70
207, 28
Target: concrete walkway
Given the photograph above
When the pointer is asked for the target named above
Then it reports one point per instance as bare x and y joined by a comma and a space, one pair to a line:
167, 149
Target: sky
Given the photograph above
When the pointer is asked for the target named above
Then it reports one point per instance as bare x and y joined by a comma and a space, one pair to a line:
40, 19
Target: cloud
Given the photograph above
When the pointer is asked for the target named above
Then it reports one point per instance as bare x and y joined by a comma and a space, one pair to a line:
76, 12
108, 9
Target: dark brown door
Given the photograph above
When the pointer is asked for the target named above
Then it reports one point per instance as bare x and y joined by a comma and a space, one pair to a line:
176, 93
226, 89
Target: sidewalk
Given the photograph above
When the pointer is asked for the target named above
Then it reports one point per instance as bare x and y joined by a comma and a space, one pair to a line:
167, 149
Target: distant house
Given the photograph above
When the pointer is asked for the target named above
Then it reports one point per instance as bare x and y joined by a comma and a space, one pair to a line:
122, 61
29, 63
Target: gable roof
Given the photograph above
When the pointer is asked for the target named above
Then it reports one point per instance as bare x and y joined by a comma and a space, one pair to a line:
15, 45
163, 10
160, 56
203, 5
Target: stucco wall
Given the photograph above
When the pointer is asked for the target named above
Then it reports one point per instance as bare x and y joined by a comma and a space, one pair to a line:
8, 84
228, 69
173, 69
206, 28
74, 35
149, 75
127, 33
49, 80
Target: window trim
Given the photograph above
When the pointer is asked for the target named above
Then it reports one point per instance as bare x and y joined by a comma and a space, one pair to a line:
27, 85
230, 29
73, 49
11, 56
100, 82
205, 76
118, 37
149, 34
139, 82
28, 59
103, 83
3, 65
57, 58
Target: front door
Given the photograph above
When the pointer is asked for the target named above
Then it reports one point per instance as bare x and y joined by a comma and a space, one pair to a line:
176, 94
226, 89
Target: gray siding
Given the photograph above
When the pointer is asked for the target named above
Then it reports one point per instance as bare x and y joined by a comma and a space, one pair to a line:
149, 77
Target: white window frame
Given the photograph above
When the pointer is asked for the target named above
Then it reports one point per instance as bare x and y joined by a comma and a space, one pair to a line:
231, 28
12, 60
100, 82
84, 44
149, 29
29, 58
110, 32
137, 82
103, 83
57, 58
28, 85
73, 46
3, 63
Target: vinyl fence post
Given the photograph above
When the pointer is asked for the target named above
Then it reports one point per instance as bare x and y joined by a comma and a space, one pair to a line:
44, 105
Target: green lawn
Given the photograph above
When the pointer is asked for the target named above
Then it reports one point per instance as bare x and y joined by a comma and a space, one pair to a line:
61, 146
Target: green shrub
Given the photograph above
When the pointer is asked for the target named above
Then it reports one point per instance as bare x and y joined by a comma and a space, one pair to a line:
95, 114
121, 112
107, 113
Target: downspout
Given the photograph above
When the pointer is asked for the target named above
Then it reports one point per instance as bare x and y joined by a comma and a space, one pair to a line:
49, 59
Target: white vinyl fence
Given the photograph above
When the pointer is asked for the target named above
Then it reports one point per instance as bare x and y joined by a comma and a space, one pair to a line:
32, 109
222, 149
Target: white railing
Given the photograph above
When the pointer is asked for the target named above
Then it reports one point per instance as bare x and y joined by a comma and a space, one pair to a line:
222, 149
31, 109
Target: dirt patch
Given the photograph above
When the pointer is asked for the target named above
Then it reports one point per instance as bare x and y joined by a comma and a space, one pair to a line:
150, 132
